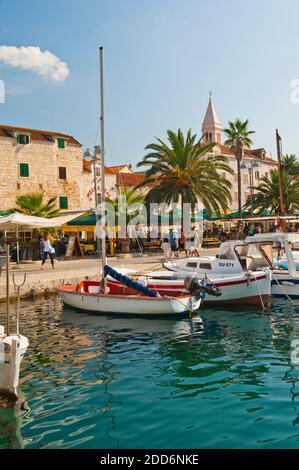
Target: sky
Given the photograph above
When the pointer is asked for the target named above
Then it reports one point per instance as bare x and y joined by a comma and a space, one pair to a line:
161, 59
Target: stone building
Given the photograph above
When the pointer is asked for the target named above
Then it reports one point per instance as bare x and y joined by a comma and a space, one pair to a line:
256, 160
34, 160
116, 177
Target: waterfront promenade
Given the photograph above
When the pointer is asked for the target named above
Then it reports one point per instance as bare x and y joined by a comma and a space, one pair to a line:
40, 282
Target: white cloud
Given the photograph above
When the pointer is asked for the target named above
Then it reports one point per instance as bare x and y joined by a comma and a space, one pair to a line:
32, 58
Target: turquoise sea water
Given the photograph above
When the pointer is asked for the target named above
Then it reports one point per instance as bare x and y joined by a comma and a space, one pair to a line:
100, 382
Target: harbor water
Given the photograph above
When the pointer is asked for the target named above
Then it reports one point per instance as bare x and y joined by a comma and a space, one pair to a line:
229, 381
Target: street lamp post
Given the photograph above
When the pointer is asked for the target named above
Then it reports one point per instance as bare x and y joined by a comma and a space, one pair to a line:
250, 166
95, 158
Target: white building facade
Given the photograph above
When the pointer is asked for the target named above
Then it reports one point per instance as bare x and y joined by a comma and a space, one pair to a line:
256, 160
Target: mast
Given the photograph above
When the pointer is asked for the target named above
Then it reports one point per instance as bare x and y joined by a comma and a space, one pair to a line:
102, 165
281, 198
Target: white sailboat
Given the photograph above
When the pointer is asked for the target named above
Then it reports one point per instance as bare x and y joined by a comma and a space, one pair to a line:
96, 298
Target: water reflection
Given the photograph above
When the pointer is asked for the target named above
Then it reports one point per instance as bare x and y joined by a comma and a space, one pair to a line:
95, 381
10, 423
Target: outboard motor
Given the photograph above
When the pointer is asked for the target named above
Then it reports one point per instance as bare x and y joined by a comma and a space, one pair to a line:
201, 287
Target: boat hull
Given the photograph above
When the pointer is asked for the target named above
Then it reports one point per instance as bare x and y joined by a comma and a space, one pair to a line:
283, 285
12, 350
126, 304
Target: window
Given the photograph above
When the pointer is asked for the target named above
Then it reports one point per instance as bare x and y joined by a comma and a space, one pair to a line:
24, 170
191, 264
257, 175
62, 172
23, 139
61, 143
63, 202
266, 175
245, 178
205, 266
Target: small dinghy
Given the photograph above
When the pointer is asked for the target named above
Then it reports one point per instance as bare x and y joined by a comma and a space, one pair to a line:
135, 299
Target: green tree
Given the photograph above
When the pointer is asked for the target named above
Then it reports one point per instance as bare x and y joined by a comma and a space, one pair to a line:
187, 171
129, 207
267, 194
34, 204
132, 200
238, 137
290, 164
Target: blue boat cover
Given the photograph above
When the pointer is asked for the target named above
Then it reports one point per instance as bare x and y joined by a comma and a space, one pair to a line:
128, 282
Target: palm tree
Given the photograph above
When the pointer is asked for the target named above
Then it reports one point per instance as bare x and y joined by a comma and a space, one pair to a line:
290, 164
133, 200
238, 137
267, 193
33, 204
185, 170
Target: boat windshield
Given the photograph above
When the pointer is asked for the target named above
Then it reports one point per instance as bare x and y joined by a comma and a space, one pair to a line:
226, 252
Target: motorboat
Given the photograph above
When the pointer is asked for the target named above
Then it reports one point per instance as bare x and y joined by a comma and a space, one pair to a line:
279, 250
255, 254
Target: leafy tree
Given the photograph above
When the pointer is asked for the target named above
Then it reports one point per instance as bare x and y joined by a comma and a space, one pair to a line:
34, 204
290, 164
185, 170
267, 194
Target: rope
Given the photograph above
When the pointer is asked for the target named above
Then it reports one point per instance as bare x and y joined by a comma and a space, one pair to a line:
258, 287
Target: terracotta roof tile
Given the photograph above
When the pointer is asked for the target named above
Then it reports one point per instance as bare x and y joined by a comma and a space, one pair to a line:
128, 180
37, 134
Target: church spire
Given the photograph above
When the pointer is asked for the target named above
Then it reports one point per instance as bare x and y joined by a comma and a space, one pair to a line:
211, 124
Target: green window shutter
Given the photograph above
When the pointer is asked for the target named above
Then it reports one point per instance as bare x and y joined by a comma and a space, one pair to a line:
22, 139
61, 143
24, 170
63, 202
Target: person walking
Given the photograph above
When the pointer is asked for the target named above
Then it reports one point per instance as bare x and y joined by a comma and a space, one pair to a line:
182, 244
174, 243
193, 243
47, 250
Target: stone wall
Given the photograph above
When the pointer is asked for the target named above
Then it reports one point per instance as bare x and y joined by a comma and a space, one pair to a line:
43, 158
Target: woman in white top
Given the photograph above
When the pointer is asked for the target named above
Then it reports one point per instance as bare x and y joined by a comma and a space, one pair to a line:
48, 250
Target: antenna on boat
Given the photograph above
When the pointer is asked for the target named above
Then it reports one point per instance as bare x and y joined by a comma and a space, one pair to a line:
103, 243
